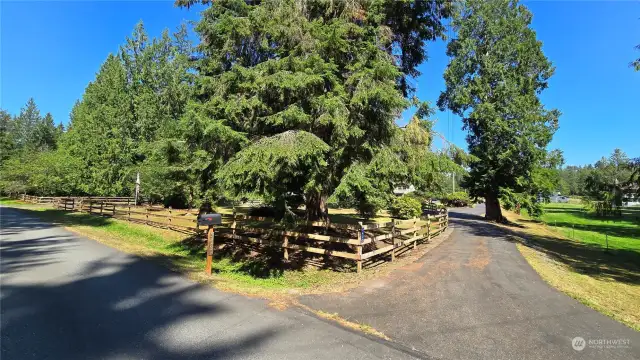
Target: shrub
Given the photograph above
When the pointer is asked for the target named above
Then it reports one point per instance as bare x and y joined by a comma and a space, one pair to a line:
456, 199
406, 207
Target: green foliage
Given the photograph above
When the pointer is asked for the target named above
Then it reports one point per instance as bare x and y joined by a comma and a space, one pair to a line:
7, 140
50, 173
336, 70
406, 207
493, 82
135, 100
363, 190
456, 199
275, 166
636, 63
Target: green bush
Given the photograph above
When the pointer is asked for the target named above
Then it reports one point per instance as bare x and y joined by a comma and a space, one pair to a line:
406, 207
456, 199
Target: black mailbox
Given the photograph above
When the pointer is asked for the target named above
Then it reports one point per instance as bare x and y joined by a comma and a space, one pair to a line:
209, 219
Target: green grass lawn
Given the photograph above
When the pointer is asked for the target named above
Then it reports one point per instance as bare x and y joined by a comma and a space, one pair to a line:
575, 222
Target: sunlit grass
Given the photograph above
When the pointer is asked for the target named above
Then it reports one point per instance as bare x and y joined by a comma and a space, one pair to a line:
575, 222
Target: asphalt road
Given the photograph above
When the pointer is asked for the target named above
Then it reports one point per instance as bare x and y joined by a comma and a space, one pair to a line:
475, 297
67, 297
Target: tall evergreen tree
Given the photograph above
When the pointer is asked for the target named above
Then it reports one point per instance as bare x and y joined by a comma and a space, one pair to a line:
136, 100
493, 82
45, 134
324, 79
26, 123
7, 141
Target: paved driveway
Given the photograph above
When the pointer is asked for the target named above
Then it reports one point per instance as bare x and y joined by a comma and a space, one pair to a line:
67, 297
475, 297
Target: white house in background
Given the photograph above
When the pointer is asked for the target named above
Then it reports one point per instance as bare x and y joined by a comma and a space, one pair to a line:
630, 196
404, 189
558, 198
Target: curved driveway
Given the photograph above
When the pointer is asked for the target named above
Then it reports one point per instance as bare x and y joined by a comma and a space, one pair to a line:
475, 297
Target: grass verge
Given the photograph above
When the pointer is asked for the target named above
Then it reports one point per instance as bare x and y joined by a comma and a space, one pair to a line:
605, 280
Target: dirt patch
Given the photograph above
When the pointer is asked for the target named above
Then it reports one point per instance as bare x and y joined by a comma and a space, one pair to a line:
480, 258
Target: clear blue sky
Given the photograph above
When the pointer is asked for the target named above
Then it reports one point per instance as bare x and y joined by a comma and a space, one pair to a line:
50, 50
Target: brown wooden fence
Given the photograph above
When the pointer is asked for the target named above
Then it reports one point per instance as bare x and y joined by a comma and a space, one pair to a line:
55, 199
357, 242
360, 242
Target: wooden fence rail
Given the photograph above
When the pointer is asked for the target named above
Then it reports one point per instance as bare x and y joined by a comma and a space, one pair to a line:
354, 242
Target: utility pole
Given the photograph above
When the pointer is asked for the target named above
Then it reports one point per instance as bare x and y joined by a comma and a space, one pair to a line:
453, 182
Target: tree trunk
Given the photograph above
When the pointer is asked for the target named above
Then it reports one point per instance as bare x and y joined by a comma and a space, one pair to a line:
317, 208
493, 211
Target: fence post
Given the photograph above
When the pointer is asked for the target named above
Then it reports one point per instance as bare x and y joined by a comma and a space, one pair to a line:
90, 206
146, 215
233, 223
169, 218
428, 228
113, 210
129, 211
359, 248
285, 246
101, 207
415, 232
393, 240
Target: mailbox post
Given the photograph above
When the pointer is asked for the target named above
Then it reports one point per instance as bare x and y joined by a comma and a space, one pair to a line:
210, 235
209, 220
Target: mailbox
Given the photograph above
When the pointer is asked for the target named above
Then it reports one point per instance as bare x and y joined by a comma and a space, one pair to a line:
209, 219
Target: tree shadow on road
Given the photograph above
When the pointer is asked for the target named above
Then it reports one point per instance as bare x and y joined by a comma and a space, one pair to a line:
116, 307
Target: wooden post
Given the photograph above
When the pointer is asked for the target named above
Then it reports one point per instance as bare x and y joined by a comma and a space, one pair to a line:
286, 250
428, 228
90, 206
415, 232
169, 218
101, 207
209, 250
359, 248
233, 223
393, 241
113, 210
146, 216
73, 204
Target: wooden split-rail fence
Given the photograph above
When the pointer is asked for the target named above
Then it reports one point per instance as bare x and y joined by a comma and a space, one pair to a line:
361, 243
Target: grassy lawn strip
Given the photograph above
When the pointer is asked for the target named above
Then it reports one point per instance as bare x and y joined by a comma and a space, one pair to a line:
579, 265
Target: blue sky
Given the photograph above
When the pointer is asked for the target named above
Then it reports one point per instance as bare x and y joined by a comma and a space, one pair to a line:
51, 50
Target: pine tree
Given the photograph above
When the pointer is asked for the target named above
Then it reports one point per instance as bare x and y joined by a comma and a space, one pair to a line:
493, 81
45, 134
7, 141
26, 123
327, 76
